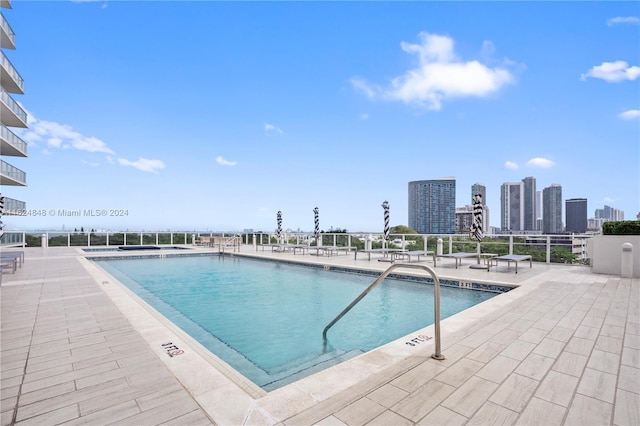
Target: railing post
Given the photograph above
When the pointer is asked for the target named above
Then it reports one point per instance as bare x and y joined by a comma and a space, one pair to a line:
88, 238
450, 244
68, 239
141, 236
107, 238
510, 244
548, 249
24, 239
156, 238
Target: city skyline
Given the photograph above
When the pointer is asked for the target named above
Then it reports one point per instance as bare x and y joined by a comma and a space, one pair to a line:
216, 115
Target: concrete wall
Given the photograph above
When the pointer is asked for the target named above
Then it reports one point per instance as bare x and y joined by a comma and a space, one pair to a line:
605, 252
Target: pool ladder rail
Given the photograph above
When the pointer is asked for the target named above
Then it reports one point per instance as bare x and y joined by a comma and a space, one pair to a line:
436, 302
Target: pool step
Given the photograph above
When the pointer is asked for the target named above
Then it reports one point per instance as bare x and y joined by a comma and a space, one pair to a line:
291, 373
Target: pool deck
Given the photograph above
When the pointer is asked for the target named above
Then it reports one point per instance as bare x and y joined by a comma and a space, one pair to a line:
562, 348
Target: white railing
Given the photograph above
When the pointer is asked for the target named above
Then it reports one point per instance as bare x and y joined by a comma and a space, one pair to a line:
543, 248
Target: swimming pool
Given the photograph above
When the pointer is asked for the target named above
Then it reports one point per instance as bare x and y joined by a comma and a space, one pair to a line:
265, 319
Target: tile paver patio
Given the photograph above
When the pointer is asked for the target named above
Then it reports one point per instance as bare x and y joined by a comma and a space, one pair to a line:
566, 351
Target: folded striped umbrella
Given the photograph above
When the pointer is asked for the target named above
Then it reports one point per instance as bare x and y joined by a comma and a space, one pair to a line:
475, 231
316, 220
279, 228
385, 206
1, 213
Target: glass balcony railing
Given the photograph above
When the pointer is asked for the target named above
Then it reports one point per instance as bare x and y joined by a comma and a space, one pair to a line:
13, 106
11, 70
14, 207
12, 172
7, 29
13, 140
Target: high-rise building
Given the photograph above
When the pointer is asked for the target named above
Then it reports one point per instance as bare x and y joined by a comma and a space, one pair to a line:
529, 204
576, 215
432, 206
11, 115
609, 213
479, 188
511, 212
552, 205
539, 211
464, 219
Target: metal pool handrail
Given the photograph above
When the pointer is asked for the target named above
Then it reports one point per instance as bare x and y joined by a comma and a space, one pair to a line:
436, 302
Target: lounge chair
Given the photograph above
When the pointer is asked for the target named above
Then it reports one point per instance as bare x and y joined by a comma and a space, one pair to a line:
513, 258
414, 253
331, 250
385, 253
459, 256
19, 254
9, 263
282, 247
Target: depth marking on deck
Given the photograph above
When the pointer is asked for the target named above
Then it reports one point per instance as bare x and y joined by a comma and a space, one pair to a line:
417, 340
171, 349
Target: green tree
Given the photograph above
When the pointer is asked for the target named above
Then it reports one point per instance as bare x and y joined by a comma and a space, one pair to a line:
402, 229
562, 255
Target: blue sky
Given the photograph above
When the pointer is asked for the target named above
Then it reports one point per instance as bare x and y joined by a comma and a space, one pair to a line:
215, 115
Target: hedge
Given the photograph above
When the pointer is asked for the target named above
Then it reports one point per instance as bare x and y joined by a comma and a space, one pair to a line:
623, 227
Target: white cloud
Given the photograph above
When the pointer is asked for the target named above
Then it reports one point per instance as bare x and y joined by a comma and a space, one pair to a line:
224, 162
65, 137
61, 136
540, 162
90, 163
488, 49
633, 20
511, 165
361, 85
364, 116
271, 128
631, 114
143, 164
440, 75
613, 72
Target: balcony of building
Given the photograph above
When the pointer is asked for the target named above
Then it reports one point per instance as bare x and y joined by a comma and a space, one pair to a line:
11, 80
11, 114
14, 207
7, 36
10, 144
11, 176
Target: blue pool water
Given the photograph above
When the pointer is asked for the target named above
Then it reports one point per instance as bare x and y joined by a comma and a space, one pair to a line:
265, 319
